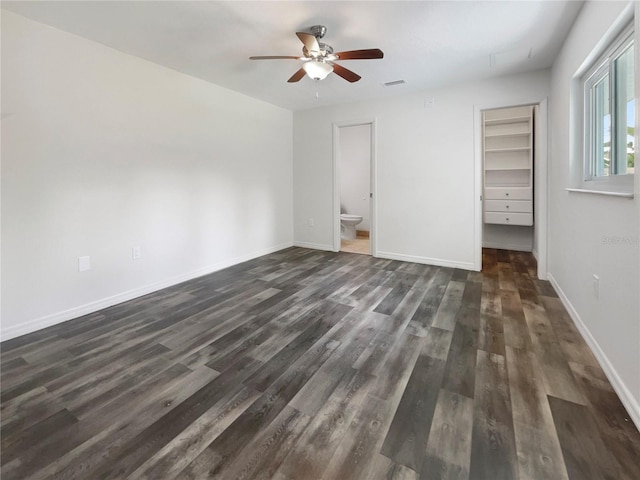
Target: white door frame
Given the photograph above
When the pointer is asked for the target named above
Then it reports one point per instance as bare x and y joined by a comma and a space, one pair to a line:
541, 184
372, 183
540, 187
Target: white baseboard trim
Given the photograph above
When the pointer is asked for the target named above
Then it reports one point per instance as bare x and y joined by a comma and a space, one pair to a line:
75, 312
628, 400
313, 246
426, 260
507, 246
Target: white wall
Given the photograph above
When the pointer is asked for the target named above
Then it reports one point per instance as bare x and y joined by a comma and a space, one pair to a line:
507, 237
102, 151
426, 183
594, 234
355, 172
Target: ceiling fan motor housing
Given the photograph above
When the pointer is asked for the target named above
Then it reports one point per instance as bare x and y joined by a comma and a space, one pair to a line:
318, 31
325, 51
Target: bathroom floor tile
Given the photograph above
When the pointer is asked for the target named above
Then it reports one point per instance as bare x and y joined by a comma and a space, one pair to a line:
358, 245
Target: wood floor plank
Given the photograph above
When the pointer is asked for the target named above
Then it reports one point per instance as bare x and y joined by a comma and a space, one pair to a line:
83, 447
616, 429
506, 276
426, 312
392, 300
437, 343
394, 373
404, 312
14, 444
271, 370
148, 442
459, 275
516, 332
491, 324
319, 441
537, 445
406, 439
184, 448
312, 364
374, 355
557, 376
491, 334
452, 425
27, 409
493, 451
540, 329
383, 468
222, 451
264, 454
355, 332
585, 454
449, 306
460, 370
573, 345
362, 441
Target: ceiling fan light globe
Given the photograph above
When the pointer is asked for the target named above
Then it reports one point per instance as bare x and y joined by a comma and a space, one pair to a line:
317, 70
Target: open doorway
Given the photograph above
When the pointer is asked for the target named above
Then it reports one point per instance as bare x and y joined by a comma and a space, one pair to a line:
353, 185
511, 151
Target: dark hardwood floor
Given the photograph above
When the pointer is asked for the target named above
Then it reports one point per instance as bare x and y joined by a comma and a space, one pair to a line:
307, 365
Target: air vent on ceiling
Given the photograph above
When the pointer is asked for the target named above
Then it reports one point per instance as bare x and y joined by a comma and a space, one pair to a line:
510, 57
394, 83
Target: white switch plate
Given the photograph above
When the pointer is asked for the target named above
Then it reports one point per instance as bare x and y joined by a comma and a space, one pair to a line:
596, 286
136, 253
84, 263
312, 222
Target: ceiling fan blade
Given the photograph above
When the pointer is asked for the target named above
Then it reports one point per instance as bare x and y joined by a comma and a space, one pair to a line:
273, 57
296, 77
369, 54
310, 42
345, 73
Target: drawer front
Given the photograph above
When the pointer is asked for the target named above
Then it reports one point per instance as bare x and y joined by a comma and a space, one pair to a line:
525, 219
523, 206
491, 193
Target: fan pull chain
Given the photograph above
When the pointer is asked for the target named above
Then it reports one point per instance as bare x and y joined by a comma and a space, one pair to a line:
317, 86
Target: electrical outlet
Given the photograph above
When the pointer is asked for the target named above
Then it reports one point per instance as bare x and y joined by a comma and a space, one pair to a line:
596, 286
84, 263
136, 253
312, 222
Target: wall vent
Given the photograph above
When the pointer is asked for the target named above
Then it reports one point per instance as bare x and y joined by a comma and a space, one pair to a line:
394, 83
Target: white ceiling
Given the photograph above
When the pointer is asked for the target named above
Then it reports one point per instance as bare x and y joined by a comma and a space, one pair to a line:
425, 43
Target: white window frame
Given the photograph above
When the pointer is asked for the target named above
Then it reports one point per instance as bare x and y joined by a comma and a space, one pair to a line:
602, 66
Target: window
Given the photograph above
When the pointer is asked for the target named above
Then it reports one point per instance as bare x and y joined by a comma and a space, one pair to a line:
609, 106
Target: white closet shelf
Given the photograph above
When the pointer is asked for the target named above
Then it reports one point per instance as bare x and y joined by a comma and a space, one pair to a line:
515, 167
513, 149
508, 166
502, 121
514, 134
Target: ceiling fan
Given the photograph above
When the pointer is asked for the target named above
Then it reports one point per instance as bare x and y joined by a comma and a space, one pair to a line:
319, 58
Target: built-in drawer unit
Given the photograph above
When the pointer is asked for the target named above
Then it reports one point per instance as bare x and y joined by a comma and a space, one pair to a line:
522, 206
507, 193
525, 219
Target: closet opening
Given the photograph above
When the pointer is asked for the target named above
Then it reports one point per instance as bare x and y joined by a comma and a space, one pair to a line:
513, 150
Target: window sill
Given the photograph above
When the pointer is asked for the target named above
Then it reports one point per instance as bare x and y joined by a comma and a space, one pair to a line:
600, 192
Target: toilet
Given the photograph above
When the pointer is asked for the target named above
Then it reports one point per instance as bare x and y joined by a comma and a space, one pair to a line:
348, 226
